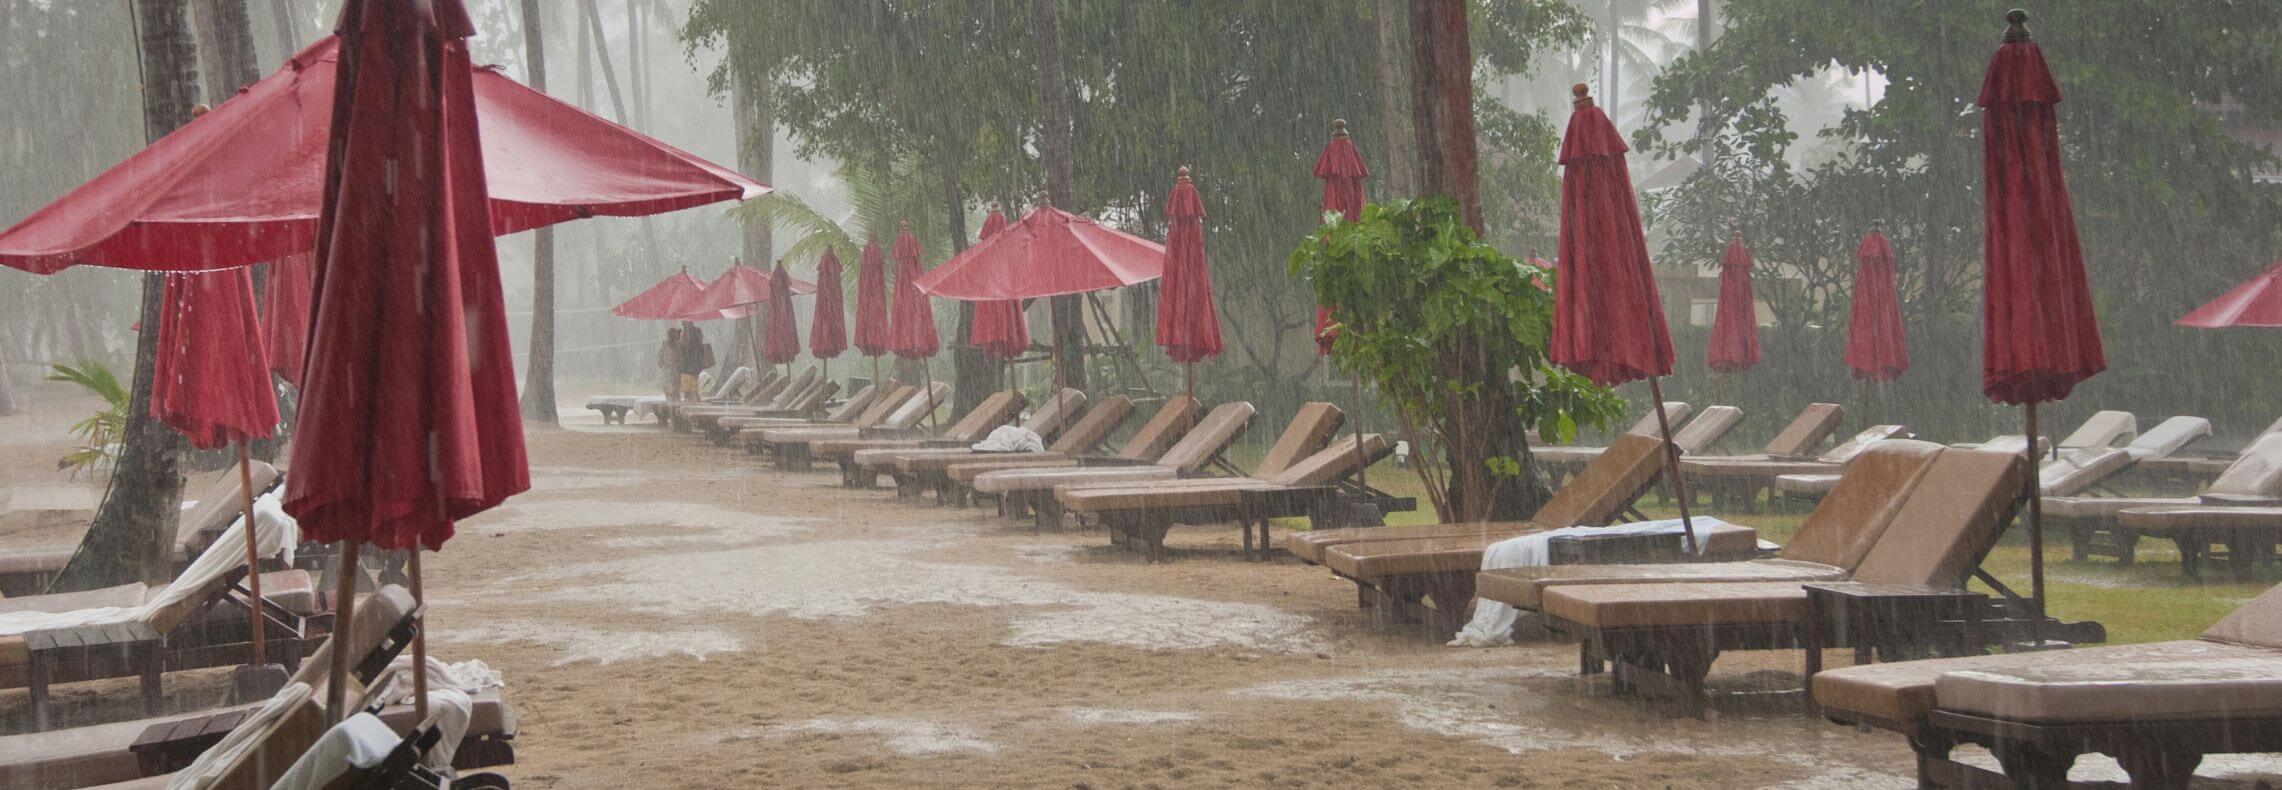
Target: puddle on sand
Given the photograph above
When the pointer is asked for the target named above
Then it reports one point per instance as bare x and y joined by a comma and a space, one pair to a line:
1122, 716
580, 643
907, 737
565, 514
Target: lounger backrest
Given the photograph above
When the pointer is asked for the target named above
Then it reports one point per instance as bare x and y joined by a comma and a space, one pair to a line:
1674, 412
817, 394
1806, 432
923, 402
799, 387
854, 406
996, 410
2077, 470
1094, 428
1213, 434
886, 404
1310, 429
1606, 486
1849, 519
1706, 429
2168, 436
775, 383
2258, 623
1337, 461
2106, 428
2013, 443
2272, 427
2256, 475
375, 616
220, 504
1951, 520
738, 382
1052, 413
1847, 450
1162, 430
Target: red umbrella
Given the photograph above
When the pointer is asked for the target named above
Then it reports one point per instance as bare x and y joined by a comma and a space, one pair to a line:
1342, 171
408, 419
285, 327
1049, 252
872, 335
2039, 336
1608, 321
827, 329
1876, 347
782, 340
1187, 326
999, 329
666, 301
241, 185
912, 321
737, 293
1735, 327
2256, 302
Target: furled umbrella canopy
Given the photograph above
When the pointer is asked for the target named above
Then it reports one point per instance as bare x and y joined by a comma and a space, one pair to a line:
827, 327
780, 340
1877, 349
1342, 171
242, 184
1735, 327
913, 324
1188, 326
872, 335
999, 329
1608, 320
285, 325
2256, 302
666, 301
211, 378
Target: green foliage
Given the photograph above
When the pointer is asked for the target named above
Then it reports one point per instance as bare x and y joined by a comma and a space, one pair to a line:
1412, 285
99, 432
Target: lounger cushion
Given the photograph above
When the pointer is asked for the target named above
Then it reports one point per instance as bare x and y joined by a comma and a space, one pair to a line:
35, 560
2106, 508
2176, 517
2185, 466
1903, 691
2168, 437
1526, 587
1958, 509
2211, 681
1565, 456
1798, 439
1461, 554
1806, 485
2257, 623
965, 471
1309, 431
1310, 546
2103, 429
1048, 479
916, 461
2257, 474
2077, 470
1171, 421
1214, 433
1844, 525
1676, 605
1707, 428
808, 435
1221, 493
1599, 493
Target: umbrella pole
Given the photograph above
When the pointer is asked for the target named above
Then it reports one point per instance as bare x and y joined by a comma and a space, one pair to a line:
1672, 465
419, 640
1362, 469
2035, 496
344, 616
253, 552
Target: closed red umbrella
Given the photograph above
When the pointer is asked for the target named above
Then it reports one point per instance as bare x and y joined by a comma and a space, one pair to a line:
827, 327
1340, 167
408, 418
781, 341
285, 324
241, 185
1608, 320
872, 336
912, 318
2256, 302
999, 329
1735, 325
666, 301
2039, 335
1877, 349
1188, 327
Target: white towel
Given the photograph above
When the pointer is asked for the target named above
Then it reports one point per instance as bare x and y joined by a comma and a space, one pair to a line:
1010, 439
1493, 621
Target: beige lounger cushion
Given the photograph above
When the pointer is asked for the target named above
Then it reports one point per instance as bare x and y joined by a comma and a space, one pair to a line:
1577, 455
1326, 466
2169, 436
48, 559
1668, 605
1311, 545
1171, 421
1806, 485
2255, 477
2077, 470
1309, 431
2209, 681
1798, 439
965, 471
1707, 429
291, 589
1204, 442
1526, 587
808, 435
2105, 428
1960, 506
1048, 479
1903, 691
1835, 458
2162, 519
1462, 554
1843, 526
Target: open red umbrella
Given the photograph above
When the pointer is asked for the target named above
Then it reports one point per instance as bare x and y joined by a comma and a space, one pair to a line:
285, 323
2256, 302
408, 417
1735, 325
666, 301
781, 342
1049, 252
1877, 350
873, 337
999, 329
211, 382
2039, 333
737, 293
827, 328
1608, 320
241, 185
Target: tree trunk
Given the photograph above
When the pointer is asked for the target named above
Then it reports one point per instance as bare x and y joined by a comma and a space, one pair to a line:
1055, 148
1610, 31
226, 48
1704, 25
973, 374
133, 532
752, 113
1394, 116
7, 387
288, 25
539, 372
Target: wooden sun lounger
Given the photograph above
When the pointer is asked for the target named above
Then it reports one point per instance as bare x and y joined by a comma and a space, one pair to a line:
1738, 481
2248, 533
846, 413
766, 386
27, 571
1146, 445
1031, 491
1578, 455
2157, 707
787, 394
2094, 526
927, 468
790, 447
1693, 437
997, 409
1665, 636
807, 402
2189, 472
1138, 515
614, 408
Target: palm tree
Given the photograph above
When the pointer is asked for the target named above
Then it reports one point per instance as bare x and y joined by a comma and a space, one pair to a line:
1628, 40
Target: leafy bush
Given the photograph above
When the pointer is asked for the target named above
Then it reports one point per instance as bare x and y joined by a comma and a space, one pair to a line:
98, 433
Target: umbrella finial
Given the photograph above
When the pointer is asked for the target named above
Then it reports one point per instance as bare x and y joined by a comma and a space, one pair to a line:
1183, 175
1045, 200
1583, 94
2016, 26
1877, 226
1338, 128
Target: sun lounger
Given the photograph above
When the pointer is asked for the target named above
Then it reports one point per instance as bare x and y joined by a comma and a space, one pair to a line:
212, 509
2254, 478
2189, 472
1173, 418
1666, 635
783, 394
1430, 568
1738, 481
928, 468
614, 408
1143, 512
1032, 490
791, 446
1569, 456
2157, 707
1697, 437
2248, 533
995, 410
846, 413
805, 403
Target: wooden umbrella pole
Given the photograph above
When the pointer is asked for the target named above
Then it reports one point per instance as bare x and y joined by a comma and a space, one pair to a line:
419, 640
1362, 469
1672, 465
253, 550
2035, 537
344, 615
1061, 377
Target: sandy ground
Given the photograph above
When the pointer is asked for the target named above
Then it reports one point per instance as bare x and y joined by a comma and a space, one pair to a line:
667, 614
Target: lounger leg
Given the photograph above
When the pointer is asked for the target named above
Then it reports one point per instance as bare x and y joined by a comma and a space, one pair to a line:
2190, 555
2127, 545
2239, 555
2079, 538
148, 663
2155, 769
1450, 594
1933, 759
41, 671
2034, 767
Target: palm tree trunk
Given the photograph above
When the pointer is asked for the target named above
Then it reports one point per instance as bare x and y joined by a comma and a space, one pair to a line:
226, 51
1402, 155
1061, 180
973, 374
753, 115
133, 532
1704, 23
539, 372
